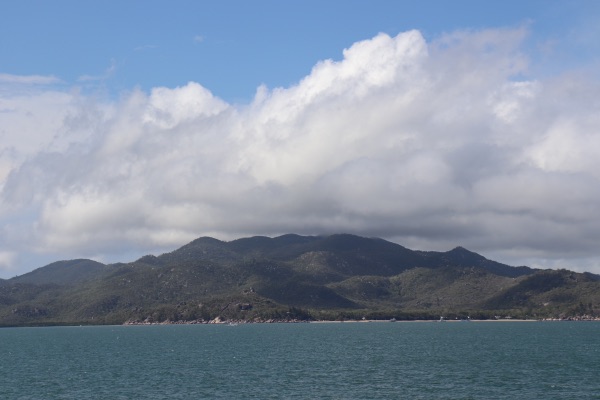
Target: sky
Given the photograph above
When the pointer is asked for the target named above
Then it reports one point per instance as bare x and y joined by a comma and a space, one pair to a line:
132, 128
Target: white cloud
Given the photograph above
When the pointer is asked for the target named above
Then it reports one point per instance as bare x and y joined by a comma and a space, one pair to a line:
7, 259
145, 47
108, 72
28, 79
169, 107
430, 144
30, 123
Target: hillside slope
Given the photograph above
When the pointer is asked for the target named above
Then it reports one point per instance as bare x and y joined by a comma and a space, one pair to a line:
292, 277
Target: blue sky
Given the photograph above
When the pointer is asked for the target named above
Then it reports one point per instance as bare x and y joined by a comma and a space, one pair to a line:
231, 47
129, 128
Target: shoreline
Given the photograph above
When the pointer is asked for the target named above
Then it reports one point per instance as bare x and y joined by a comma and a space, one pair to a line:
218, 321
275, 321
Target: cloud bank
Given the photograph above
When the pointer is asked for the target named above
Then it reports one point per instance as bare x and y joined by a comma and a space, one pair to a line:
431, 145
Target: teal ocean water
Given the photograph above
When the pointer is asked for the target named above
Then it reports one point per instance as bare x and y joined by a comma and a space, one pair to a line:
402, 360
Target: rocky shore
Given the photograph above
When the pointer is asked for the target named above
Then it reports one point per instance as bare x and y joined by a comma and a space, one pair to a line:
219, 320
216, 320
576, 318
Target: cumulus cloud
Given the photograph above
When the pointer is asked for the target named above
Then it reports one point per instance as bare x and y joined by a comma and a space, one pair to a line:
431, 145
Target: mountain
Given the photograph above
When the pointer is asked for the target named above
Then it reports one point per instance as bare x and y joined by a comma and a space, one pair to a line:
292, 277
63, 272
460, 256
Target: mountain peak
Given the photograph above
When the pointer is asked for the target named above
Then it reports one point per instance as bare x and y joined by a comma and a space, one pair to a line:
63, 272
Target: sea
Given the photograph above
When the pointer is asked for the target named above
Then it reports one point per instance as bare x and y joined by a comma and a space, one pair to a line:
362, 360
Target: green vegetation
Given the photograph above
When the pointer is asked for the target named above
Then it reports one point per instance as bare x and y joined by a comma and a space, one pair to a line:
293, 278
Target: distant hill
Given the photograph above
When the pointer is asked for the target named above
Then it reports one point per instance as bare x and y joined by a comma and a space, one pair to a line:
461, 257
63, 272
293, 277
